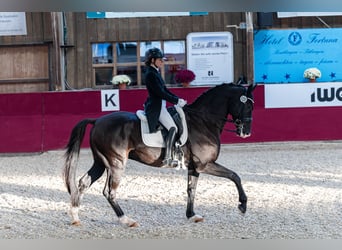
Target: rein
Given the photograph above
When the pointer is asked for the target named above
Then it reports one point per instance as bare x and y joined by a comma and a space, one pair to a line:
238, 123
230, 130
225, 120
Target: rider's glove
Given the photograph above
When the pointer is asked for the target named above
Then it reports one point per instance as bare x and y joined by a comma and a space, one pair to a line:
181, 102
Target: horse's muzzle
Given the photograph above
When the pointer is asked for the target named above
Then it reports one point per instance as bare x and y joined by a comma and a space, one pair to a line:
242, 135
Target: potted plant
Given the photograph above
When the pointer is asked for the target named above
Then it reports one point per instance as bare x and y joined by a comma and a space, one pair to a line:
312, 74
185, 77
121, 81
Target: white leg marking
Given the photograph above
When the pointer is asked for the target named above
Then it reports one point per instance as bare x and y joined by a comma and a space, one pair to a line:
124, 220
74, 215
196, 218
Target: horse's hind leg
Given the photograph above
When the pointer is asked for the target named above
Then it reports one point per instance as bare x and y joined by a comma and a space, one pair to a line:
93, 174
109, 191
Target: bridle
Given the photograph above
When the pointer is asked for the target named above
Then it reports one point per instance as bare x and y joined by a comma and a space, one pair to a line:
239, 122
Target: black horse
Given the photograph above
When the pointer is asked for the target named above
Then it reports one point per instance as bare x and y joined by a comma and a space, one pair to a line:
116, 137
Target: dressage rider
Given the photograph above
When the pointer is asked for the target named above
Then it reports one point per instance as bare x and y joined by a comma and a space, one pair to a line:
158, 95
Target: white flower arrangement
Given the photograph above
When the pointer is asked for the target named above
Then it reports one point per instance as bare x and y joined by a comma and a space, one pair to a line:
312, 73
121, 79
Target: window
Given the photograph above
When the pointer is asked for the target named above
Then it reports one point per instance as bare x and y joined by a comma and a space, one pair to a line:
102, 53
128, 58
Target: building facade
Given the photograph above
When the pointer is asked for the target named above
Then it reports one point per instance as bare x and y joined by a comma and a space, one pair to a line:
72, 50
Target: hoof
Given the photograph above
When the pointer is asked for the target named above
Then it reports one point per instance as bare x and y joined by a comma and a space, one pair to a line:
242, 208
76, 223
126, 221
134, 224
196, 218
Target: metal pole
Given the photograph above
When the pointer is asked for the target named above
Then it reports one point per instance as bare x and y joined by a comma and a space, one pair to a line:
250, 47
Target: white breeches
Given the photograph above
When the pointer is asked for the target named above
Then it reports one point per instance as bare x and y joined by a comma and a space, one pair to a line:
165, 117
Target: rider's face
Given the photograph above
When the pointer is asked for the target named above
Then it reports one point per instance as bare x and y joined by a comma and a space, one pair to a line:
158, 62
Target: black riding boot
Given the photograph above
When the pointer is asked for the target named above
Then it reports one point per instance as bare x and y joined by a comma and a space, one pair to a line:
170, 140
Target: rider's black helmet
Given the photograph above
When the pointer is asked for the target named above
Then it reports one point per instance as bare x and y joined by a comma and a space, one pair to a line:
153, 54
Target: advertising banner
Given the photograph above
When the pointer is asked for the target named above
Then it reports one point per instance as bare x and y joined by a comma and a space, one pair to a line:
140, 14
282, 56
210, 57
12, 24
326, 94
296, 14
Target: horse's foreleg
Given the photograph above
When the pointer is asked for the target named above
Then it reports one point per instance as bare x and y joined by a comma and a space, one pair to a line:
112, 183
220, 171
191, 190
93, 174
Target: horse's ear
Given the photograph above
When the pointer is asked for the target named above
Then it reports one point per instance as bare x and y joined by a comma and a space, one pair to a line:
241, 81
251, 87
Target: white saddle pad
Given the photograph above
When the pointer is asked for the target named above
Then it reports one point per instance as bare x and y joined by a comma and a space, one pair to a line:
156, 139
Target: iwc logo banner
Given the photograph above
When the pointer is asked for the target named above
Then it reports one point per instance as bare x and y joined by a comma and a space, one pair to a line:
294, 38
324, 95
327, 94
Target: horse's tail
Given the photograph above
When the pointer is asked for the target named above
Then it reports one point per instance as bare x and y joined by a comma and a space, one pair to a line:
73, 150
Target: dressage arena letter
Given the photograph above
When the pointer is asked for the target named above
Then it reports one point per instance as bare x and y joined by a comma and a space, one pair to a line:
110, 100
